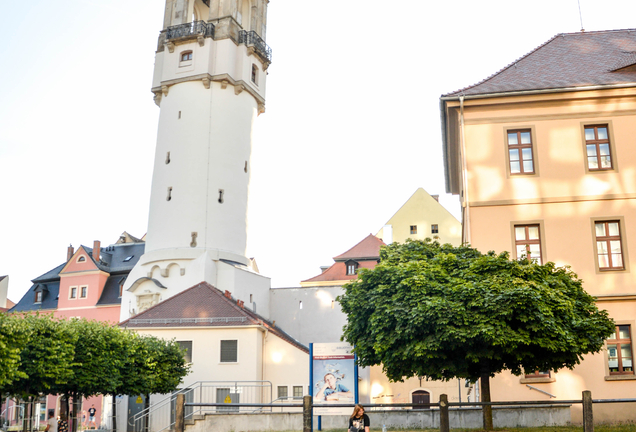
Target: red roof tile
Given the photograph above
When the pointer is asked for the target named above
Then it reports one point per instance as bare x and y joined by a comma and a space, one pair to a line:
567, 60
368, 248
202, 306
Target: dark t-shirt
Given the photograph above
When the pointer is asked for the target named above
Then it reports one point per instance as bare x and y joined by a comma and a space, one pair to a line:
358, 423
91, 412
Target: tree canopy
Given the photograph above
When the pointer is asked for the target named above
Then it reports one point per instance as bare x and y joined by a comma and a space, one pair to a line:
452, 312
40, 354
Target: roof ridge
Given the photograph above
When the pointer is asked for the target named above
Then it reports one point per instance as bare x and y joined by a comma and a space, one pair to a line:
356, 245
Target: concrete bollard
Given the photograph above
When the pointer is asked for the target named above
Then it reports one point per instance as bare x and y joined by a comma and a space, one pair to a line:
179, 420
588, 415
444, 423
307, 414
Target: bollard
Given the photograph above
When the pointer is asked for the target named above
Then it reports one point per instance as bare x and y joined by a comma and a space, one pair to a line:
179, 421
307, 414
588, 416
444, 424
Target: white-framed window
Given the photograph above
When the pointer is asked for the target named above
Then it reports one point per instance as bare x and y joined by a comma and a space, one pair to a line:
283, 392
83, 291
186, 346
72, 293
229, 351
38, 296
254, 74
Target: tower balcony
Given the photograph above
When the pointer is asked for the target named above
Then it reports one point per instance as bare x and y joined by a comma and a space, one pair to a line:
197, 30
253, 41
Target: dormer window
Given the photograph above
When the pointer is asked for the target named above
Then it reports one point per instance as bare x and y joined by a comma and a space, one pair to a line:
38, 296
128, 258
255, 74
352, 267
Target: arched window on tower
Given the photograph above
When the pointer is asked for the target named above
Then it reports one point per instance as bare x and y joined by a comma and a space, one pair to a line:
185, 58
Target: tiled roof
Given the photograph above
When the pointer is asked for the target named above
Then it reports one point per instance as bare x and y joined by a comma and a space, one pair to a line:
203, 306
368, 248
49, 300
110, 293
338, 272
567, 60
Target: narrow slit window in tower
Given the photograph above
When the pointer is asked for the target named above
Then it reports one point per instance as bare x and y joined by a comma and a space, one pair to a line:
169, 197
245, 169
167, 158
221, 196
254, 74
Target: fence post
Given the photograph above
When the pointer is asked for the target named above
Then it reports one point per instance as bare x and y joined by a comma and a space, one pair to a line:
307, 414
588, 416
179, 422
444, 424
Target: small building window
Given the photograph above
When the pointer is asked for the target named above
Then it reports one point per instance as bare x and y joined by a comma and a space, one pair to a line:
597, 147
73, 293
435, 229
539, 374
83, 292
82, 258
186, 347
255, 74
186, 56
528, 242
609, 248
229, 351
282, 392
352, 267
128, 258
121, 288
619, 351
413, 229
38, 296
520, 152
298, 391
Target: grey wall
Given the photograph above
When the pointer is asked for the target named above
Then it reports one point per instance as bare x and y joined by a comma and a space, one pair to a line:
544, 415
316, 322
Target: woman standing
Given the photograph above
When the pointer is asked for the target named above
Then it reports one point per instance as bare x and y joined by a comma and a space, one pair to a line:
359, 421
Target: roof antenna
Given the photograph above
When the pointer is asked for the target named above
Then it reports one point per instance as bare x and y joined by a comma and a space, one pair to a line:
580, 16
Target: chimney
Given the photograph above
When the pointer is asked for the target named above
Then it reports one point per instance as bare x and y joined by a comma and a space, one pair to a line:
69, 252
96, 250
435, 197
324, 268
240, 303
228, 294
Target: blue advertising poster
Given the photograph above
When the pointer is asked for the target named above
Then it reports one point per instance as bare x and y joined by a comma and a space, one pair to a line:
333, 379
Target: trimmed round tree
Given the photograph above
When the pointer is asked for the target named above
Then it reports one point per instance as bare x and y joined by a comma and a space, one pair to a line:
452, 312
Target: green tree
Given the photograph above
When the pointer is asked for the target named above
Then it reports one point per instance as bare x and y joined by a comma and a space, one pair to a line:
12, 342
452, 312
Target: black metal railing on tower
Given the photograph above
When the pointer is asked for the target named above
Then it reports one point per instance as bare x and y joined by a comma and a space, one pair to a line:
251, 38
194, 28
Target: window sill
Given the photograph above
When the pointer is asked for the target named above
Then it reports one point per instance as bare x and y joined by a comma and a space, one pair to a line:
537, 380
228, 363
620, 377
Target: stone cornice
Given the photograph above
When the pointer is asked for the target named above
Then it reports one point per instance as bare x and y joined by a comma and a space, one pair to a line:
205, 78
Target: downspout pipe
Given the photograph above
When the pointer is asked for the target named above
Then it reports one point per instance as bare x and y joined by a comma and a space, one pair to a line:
465, 201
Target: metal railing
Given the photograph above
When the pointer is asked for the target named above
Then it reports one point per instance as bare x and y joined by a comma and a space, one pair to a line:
443, 407
251, 38
194, 28
161, 415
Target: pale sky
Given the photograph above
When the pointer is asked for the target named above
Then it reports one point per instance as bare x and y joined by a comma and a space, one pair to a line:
351, 130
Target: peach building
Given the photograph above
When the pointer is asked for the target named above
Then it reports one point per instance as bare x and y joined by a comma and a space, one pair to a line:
541, 155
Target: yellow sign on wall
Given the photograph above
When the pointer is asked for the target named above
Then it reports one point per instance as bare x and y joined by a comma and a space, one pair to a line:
139, 400
228, 399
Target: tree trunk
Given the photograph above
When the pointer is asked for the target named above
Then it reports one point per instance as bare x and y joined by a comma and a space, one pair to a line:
114, 413
485, 397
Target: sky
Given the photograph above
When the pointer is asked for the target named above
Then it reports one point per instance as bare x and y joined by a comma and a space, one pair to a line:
352, 126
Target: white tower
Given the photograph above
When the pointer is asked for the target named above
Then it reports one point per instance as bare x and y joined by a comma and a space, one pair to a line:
209, 82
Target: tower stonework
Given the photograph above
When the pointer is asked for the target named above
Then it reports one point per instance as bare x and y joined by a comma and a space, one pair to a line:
209, 82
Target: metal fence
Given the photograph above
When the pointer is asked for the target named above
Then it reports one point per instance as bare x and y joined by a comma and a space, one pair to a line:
182, 407
204, 397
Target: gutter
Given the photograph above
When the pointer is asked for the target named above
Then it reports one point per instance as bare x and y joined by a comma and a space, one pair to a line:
539, 91
465, 201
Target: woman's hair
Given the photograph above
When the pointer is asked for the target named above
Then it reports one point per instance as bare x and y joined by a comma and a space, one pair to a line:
356, 409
